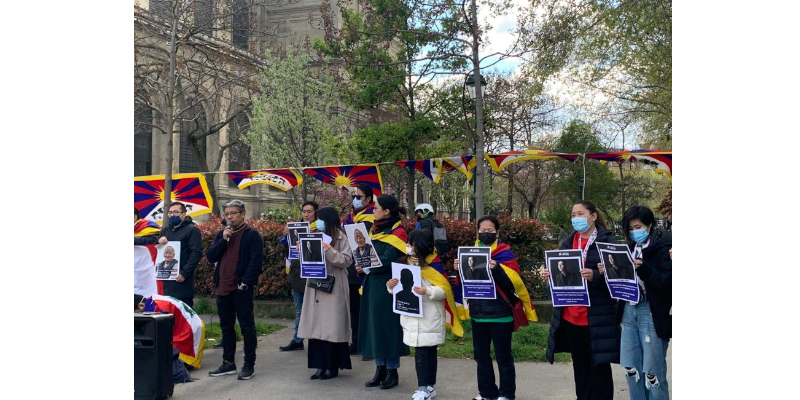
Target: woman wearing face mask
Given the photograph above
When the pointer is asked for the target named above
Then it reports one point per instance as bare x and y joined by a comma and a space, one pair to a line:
590, 334
379, 331
363, 207
325, 318
492, 319
647, 325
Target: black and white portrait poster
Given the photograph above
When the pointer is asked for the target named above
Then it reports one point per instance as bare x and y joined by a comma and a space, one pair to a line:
295, 228
364, 254
404, 300
618, 269
312, 256
473, 268
167, 262
567, 287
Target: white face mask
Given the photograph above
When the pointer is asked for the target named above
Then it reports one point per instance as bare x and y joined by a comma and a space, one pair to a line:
409, 250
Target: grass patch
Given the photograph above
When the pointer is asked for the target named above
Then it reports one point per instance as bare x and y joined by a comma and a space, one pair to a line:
213, 331
529, 343
203, 306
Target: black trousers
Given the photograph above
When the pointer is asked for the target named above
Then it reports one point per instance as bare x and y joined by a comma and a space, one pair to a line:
355, 309
591, 382
238, 303
427, 365
188, 300
499, 333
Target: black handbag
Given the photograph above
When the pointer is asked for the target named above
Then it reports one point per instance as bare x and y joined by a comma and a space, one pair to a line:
324, 284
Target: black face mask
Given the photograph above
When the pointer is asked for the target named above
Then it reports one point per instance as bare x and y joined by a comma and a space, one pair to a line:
419, 218
487, 238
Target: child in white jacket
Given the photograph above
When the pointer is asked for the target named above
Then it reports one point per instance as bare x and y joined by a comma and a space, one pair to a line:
426, 333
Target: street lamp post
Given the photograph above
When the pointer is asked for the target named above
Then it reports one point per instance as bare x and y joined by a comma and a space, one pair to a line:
476, 94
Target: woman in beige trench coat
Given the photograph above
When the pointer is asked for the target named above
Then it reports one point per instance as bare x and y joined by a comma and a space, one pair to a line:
325, 318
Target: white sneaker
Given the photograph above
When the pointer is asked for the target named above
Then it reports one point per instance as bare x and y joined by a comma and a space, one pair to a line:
431, 391
479, 397
420, 395
502, 398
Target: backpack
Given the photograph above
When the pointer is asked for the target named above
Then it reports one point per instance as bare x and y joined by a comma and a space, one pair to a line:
440, 239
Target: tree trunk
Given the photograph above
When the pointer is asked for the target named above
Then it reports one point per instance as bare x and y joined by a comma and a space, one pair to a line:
410, 188
170, 119
479, 209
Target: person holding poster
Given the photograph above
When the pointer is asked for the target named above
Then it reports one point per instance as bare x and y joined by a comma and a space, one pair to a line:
647, 325
590, 334
363, 208
379, 331
427, 333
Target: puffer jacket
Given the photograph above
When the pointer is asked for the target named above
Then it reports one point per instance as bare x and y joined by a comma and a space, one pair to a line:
428, 330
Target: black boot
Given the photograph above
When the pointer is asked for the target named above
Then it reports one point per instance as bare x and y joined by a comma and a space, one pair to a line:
331, 373
317, 374
392, 379
292, 346
380, 375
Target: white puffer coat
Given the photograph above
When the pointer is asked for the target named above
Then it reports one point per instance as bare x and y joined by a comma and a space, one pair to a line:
428, 330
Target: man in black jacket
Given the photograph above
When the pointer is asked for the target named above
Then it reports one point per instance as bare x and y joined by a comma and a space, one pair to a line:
238, 251
181, 228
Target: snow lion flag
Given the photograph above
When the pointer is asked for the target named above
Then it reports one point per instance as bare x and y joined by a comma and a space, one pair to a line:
347, 176
189, 332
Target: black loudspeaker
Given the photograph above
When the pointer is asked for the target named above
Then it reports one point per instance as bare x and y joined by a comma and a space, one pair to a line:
152, 355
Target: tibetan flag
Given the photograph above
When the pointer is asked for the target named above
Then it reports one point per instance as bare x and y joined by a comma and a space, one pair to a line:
397, 237
432, 167
464, 164
188, 333
501, 253
659, 160
435, 274
500, 161
347, 176
365, 215
283, 179
144, 270
189, 189
144, 227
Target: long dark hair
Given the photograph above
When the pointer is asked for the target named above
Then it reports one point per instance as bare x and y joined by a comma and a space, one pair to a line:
330, 217
389, 202
593, 210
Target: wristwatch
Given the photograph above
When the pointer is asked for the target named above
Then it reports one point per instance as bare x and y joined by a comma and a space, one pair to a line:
243, 286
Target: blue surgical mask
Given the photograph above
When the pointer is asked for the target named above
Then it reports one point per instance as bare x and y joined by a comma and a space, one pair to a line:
639, 235
580, 224
356, 203
321, 225
174, 220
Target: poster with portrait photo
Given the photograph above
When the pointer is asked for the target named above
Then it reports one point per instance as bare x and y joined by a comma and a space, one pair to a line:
473, 269
567, 286
620, 275
364, 253
167, 261
404, 300
312, 255
295, 228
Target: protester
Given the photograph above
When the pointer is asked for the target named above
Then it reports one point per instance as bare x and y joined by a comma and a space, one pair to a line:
182, 229
426, 220
298, 284
363, 207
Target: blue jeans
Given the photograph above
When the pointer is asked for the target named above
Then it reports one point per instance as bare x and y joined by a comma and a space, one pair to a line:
298, 307
389, 362
643, 354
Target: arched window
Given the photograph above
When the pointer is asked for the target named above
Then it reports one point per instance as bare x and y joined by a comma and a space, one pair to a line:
142, 137
239, 153
193, 120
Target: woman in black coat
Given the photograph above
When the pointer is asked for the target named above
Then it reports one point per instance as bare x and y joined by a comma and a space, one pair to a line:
590, 334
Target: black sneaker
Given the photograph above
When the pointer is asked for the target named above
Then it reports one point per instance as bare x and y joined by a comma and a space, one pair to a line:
292, 346
217, 345
247, 373
224, 369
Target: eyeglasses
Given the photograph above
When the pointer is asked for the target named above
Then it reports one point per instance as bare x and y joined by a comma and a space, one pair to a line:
173, 213
232, 213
